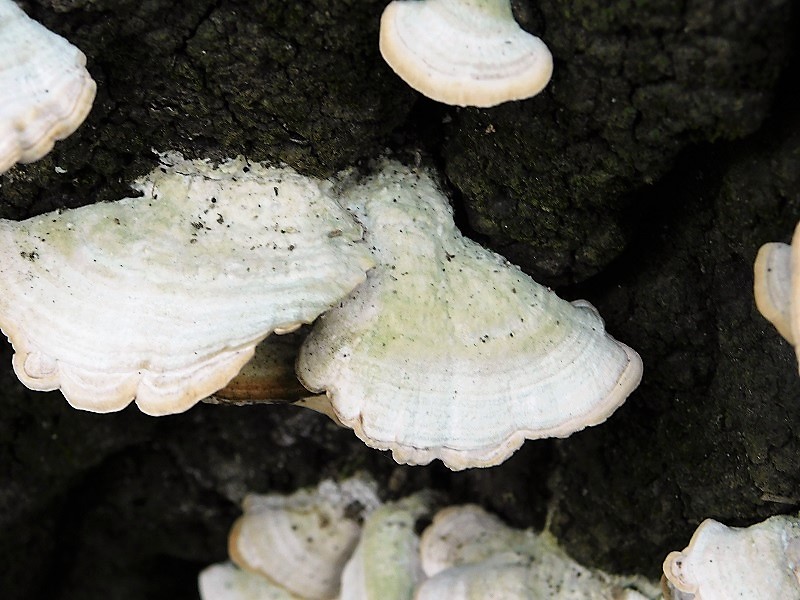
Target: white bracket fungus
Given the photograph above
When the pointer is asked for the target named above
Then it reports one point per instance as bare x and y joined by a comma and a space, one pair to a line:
469, 553
760, 562
162, 298
448, 351
386, 563
45, 90
463, 52
294, 547
301, 542
773, 285
226, 581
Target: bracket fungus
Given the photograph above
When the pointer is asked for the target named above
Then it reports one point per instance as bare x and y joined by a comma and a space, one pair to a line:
386, 563
447, 350
774, 286
301, 542
464, 52
45, 90
757, 562
162, 298
469, 553
226, 581
295, 546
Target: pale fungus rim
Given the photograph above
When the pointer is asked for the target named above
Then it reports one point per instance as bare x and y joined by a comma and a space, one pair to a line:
453, 82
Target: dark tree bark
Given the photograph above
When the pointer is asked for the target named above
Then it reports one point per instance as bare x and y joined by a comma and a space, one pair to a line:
662, 154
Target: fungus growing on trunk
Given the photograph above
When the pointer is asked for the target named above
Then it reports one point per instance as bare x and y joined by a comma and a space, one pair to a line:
162, 298
386, 563
45, 90
463, 52
720, 562
448, 351
469, 553
301, 542
773, 286
226, 581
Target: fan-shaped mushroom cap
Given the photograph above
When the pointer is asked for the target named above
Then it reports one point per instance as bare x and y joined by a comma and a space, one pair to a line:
225, 581
463, 52
468, 553
164, 297
468, 534
386, 564
772, 286
448, 351
302, 542
45, 90
759, 562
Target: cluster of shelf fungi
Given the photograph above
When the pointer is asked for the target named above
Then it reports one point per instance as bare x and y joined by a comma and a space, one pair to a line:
423, 342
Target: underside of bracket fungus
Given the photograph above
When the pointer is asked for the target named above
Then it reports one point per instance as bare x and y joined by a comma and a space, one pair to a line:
45, 90
269, 376
761, 561
162, 298
448, 351
301, 542
463, 52
773, 286
469, 553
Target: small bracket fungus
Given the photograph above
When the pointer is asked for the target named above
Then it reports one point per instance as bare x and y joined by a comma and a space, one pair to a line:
226, 581
386, 563
757, 562
468, 553
45, 90
448, 351
298, 544
302, 542
463, 52
163, 298
773, 285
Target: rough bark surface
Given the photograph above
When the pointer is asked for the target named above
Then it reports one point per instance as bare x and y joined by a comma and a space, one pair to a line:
663, 153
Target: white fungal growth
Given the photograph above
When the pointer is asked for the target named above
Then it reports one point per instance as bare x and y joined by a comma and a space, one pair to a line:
162, 298
758, 562
772, 286
301, 542
448, 351
45, 90
463, 52
468, 553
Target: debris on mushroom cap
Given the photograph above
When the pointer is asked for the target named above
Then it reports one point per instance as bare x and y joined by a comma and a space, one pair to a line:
226, 581
45, 90
448, 351
463, 52
386, 564
302, 542
759, 562
162, 298
772, 286
468, 553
